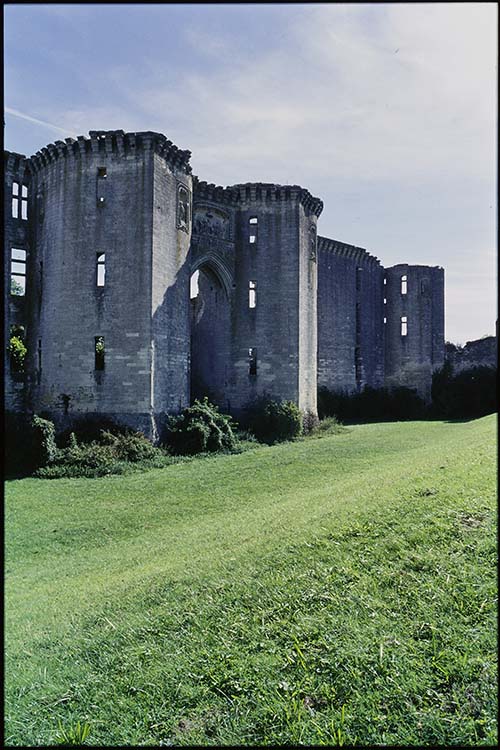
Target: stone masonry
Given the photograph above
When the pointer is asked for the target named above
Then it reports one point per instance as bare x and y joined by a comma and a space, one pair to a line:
102, 237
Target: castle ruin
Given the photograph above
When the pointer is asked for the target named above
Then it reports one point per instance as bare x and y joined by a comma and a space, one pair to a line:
103, 235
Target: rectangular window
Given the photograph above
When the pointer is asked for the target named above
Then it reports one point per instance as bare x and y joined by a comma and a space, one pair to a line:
252, 362
253, 239
102, 172
15, 200
385, 320
404, 326
404, 284
101, 268
99, 353
18, 272
252, 294
24, 202
253, 220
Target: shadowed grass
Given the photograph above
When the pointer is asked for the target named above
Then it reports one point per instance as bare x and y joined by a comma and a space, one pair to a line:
320, 592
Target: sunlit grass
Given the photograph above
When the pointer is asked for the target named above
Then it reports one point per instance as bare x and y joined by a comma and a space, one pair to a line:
328, 591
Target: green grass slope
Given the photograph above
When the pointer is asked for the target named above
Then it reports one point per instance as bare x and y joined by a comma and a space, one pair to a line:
333, 591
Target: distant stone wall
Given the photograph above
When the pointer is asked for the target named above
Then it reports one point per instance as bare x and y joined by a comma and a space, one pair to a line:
479, 353
350, 317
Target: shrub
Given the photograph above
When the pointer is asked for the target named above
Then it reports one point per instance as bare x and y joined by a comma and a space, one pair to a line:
132, 446
310, 422
275, 421
89, 429
17, 353
201, 428
89, 460
43, 441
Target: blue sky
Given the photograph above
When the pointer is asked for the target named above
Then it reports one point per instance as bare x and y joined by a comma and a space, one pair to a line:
386, 112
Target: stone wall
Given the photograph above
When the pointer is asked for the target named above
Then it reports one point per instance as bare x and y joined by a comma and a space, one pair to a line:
350, 317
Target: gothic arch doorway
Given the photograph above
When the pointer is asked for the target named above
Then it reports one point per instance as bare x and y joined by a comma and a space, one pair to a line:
210, 334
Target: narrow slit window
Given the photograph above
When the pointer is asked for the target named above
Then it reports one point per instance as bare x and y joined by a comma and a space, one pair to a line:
253, 222
101, 269
252, 294
24, 202
39, 370
404, 284
101, 185
404, 326
99, 352
252, 362
18, 272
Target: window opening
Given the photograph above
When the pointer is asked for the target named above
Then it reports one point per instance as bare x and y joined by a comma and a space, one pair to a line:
99, 352
253, 222
18, 272
404, 284
17, 349
252, 294
404, 326
102, 172
252, 362
101, 268
194, 285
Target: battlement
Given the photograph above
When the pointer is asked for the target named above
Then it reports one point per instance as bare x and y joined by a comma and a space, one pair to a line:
108, 142
347, 251
257, 192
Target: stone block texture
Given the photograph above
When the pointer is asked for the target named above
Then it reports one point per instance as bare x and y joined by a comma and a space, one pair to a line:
113, 226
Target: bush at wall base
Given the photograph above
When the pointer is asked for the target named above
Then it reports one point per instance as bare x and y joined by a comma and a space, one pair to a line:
201, 428
274, 421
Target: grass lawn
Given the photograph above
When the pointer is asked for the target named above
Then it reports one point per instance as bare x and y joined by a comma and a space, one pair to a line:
332, 591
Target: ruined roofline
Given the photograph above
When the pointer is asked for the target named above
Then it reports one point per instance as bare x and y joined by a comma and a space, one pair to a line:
343, 249
413, 265
108, 142
255, 192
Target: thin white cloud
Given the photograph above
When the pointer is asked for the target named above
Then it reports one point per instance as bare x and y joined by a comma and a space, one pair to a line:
49, 125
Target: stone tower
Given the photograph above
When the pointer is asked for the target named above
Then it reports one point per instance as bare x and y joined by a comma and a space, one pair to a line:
414, 337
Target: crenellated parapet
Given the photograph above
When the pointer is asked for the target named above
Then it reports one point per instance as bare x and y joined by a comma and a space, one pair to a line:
210, 193
112, 142
263, 192
342, 249
256, 192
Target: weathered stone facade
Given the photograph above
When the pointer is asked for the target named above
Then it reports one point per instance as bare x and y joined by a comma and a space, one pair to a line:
110, 231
